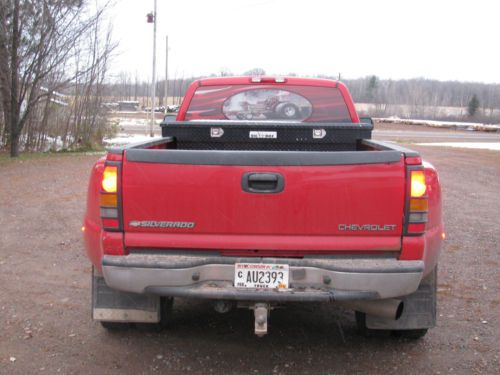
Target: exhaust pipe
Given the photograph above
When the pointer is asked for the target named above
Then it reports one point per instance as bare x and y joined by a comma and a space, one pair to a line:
382, 308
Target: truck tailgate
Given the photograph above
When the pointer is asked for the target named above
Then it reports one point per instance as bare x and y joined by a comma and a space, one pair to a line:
281, 201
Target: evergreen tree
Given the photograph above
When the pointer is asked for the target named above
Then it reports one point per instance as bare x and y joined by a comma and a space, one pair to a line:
473, 105
372, 88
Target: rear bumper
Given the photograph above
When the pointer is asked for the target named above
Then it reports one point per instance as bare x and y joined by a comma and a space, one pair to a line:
311, 279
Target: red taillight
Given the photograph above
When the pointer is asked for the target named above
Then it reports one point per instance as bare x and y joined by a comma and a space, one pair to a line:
418, 204
109, 198
418, 186
110, 179
110, 223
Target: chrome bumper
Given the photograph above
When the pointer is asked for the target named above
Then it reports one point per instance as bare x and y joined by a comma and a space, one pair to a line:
311, 279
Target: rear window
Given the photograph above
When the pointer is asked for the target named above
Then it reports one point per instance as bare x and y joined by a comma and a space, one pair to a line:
268, 103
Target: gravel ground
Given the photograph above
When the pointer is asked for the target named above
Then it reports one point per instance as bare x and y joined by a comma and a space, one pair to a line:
45, 324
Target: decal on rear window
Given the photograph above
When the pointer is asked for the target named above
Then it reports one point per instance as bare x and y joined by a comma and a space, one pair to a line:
268, 103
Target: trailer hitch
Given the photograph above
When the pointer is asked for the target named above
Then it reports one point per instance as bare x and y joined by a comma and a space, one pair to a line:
261, 312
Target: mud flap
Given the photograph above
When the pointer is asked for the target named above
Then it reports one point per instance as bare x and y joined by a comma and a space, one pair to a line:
419, 309
111, 305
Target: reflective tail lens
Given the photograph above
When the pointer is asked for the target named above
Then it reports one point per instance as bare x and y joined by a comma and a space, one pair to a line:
419, 204
110, 179
418, 186
418, 207
109, 200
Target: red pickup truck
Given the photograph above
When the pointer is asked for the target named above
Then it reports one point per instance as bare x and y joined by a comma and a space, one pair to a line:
265, 191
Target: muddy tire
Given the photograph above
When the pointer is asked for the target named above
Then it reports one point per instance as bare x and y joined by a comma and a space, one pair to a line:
116, 326
363, 330
166, 307
410, 334
361, 324
418, 316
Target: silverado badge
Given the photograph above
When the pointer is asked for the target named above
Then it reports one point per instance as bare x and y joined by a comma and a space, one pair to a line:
162, 224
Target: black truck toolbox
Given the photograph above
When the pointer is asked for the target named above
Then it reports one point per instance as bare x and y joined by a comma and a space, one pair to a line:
260, 135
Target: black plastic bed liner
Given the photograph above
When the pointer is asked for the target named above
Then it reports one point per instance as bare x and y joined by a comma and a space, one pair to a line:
263, 135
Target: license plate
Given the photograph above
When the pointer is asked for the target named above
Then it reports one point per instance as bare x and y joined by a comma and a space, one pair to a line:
261, 275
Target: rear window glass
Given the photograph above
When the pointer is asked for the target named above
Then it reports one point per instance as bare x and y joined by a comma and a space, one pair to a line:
268, 103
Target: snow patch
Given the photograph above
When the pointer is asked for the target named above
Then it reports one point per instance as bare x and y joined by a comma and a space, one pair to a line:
495, 146
442, 124
124, 139
125, 122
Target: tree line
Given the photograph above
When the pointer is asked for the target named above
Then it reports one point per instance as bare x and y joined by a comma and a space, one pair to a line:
419, 98
129, 87
429, 99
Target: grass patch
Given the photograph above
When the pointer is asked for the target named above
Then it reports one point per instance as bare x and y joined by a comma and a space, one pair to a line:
26, 156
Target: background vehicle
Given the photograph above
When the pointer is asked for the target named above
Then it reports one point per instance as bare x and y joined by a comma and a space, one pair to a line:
173, 108
256, 214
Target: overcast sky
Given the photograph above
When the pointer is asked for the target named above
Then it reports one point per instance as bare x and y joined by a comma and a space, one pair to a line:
438, 39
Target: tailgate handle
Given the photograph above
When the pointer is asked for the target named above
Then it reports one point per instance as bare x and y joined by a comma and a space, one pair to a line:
262, 182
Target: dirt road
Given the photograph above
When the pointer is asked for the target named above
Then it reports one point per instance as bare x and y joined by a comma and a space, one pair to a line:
45, 324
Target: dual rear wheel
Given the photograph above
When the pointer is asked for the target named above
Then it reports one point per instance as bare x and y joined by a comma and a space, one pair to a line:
419, 313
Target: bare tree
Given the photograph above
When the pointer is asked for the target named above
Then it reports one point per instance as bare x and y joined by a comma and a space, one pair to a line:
37, 39
89, 116
224, 72
255, 72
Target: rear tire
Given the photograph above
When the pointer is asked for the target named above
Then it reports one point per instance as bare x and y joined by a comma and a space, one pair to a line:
427, 289
115, 326
410, 334
166, 307
361, 324
363, 330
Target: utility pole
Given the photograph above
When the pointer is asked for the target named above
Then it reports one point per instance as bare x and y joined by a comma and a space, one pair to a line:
153, 90
166, 75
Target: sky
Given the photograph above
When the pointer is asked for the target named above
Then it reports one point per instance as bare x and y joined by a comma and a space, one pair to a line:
393, 39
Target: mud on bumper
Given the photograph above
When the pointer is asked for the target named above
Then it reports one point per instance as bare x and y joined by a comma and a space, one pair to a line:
212, 277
